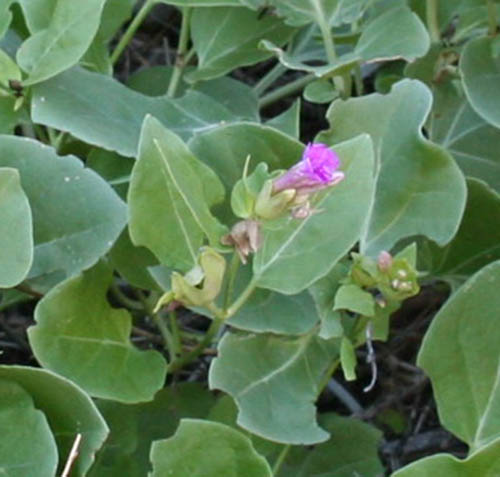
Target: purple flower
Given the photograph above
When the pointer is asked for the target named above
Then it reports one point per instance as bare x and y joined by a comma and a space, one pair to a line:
316, 170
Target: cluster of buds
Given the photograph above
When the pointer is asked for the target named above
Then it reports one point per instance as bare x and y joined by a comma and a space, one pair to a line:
200, 286
394, 277
264, 196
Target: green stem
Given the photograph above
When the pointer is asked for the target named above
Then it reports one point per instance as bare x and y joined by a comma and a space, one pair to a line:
240, 301
286, 90
233, 270
132, 28
124, 299
432, 20
180, 61
184, 360
358, 80
268, 79
280, 459
165, 333
492, 17
176, 337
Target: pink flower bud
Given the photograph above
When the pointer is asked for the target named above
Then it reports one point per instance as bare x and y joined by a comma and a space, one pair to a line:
316, 170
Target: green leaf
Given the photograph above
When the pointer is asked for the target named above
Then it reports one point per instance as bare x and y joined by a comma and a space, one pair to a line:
355, 299
461, 356
226, 148
169, 213
16, 237
76, 215
315, 244
485, 463
239, 31
132, 262
28, 446
214, 450
135, 426
270, 312
320, 91
8, 69
412, 173
323, 292
202, 3
465, 134
9, 118
407, 37
77, 332
274, 383
480, 68
331, 12
63, 103
288, 122
37, 13
59, 46
477, 242
348, 359
352, 450
114, 14
69, 411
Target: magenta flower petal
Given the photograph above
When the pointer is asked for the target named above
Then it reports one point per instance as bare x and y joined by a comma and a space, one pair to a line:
316, 170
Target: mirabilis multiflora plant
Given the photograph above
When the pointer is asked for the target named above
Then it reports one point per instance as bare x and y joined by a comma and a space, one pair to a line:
172, 235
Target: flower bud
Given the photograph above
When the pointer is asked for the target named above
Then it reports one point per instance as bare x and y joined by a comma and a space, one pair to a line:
271, 206
384, 261
213, 266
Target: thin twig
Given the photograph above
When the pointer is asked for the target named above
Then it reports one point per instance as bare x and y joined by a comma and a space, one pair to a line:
73, 454
371, 359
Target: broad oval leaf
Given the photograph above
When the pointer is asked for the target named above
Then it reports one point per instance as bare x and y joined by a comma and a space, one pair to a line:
168, 206
77, 332
69, 411
316, 243
207, 448
413, 175
351, 451
274, 383
457, 127
485, 463
16, 236
73, 25
76, 215
460, 353
99, 110
135, 426
406, 38
28, 446
477, 242
480, 67
238, 32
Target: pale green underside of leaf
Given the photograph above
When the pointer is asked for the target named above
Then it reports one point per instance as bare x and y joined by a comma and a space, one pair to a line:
99, 110
68, 409
214, 450
274, 383
50, 51
316, 243
28, 446
77, 332
413, 175
16, 236
460, 353
169, 213
76, 215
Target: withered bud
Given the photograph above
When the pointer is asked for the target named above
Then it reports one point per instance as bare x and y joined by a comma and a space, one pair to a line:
245, 237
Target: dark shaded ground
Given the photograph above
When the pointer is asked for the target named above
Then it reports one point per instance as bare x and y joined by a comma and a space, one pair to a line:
401, 404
